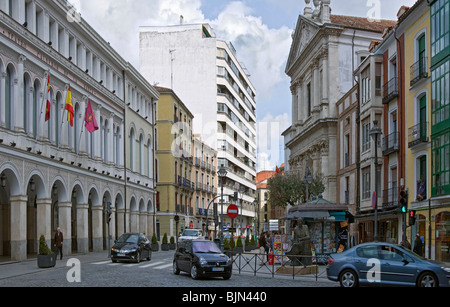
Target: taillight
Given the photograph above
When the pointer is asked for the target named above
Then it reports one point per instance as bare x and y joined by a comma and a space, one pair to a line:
330, 260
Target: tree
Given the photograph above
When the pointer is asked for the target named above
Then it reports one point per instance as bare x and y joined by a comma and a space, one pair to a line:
290, 189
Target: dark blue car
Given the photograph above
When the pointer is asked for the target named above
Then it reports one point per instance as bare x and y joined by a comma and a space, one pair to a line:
385, 264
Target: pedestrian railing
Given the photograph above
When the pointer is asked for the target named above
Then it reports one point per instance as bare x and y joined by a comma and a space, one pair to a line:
280, 266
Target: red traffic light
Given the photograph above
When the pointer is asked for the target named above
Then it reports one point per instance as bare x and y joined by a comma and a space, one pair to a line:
412, 213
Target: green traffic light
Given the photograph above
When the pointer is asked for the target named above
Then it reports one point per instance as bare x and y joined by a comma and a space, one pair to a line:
404, 209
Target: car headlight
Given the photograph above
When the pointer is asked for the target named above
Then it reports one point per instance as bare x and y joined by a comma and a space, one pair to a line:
445, 269
202, 261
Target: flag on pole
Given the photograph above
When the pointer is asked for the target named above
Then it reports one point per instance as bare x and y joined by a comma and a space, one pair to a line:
69, 108
89, 120
48, 107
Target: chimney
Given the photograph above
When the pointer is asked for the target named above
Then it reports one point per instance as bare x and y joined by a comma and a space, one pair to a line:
402, 11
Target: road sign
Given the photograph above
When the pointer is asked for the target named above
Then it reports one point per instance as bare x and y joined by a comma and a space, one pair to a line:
232, 211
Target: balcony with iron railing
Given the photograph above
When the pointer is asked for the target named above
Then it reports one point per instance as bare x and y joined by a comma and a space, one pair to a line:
390, 197
418, 70
418, 134
390, 90
390, 143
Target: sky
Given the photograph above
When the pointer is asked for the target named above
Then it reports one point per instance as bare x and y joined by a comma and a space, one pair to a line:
260, 30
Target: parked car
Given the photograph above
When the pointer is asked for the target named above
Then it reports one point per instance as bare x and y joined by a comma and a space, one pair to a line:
201, 258
190, 234
131, 247
386, 264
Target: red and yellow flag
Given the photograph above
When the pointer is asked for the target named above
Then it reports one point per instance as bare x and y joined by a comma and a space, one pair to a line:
69, 108
48, 106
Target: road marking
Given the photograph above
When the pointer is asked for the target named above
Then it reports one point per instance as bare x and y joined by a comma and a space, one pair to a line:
103, 262
164, 266
152, 264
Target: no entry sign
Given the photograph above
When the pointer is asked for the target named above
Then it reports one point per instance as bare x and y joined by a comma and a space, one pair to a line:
232, 211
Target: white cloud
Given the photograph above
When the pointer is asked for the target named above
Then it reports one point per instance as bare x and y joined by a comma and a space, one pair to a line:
262, 50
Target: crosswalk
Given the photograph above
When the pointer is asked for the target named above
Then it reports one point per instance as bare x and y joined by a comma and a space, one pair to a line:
157, 265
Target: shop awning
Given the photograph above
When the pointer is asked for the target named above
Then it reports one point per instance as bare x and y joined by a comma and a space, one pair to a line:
308, 214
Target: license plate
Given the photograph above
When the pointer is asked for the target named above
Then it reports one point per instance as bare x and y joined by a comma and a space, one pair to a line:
218, 269
121, 255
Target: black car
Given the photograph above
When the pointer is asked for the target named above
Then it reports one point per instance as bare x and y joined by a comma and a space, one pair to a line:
201, 258
131, 247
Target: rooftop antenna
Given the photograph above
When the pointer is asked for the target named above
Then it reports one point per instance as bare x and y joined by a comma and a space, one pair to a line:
171, 51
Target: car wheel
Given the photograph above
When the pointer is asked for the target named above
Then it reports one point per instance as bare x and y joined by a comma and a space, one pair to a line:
194, 272
348, 279
113, 260
226, 277
138, 257
427, 279
175, 268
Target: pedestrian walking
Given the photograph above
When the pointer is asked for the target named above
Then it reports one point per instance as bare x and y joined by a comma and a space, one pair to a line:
418, 245
59, 238
268, 246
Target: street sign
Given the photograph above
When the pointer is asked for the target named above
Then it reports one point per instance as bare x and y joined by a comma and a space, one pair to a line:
232, 211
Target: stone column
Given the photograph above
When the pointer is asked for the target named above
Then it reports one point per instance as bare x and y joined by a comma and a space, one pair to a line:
134, 221
2, 99
65, 223
83, 228
19, 122
120, 221
97, 228
316, 87
143, 222
44, 220
18, 228
295, 111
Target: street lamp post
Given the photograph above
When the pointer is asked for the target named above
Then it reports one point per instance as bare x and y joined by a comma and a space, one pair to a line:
375, 132
222, 173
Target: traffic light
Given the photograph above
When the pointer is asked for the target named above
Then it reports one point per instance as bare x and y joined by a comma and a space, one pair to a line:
412, 217
404, 201
236, 197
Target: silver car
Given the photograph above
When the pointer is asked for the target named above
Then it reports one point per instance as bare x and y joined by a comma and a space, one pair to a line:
385, 264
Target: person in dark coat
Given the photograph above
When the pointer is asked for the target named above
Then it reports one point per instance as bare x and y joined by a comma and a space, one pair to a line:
59, 238
418, 245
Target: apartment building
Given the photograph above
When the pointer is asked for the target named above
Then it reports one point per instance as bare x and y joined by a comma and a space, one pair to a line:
207, 76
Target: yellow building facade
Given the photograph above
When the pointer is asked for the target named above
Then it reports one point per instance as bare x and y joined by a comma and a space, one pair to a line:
173, 165
423, 205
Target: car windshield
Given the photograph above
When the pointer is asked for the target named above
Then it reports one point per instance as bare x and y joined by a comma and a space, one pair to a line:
190, 233
205, 247
128, 238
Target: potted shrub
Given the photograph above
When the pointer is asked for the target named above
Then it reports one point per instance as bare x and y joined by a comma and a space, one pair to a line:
239, 247
253, 243
226, 247
172, 244
155, 245
247, 246
46, 257
165, 243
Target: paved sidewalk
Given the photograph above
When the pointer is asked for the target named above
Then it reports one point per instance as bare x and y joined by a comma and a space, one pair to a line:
13, 269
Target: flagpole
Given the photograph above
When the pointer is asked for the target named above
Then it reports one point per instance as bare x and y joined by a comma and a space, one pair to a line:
62, 119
